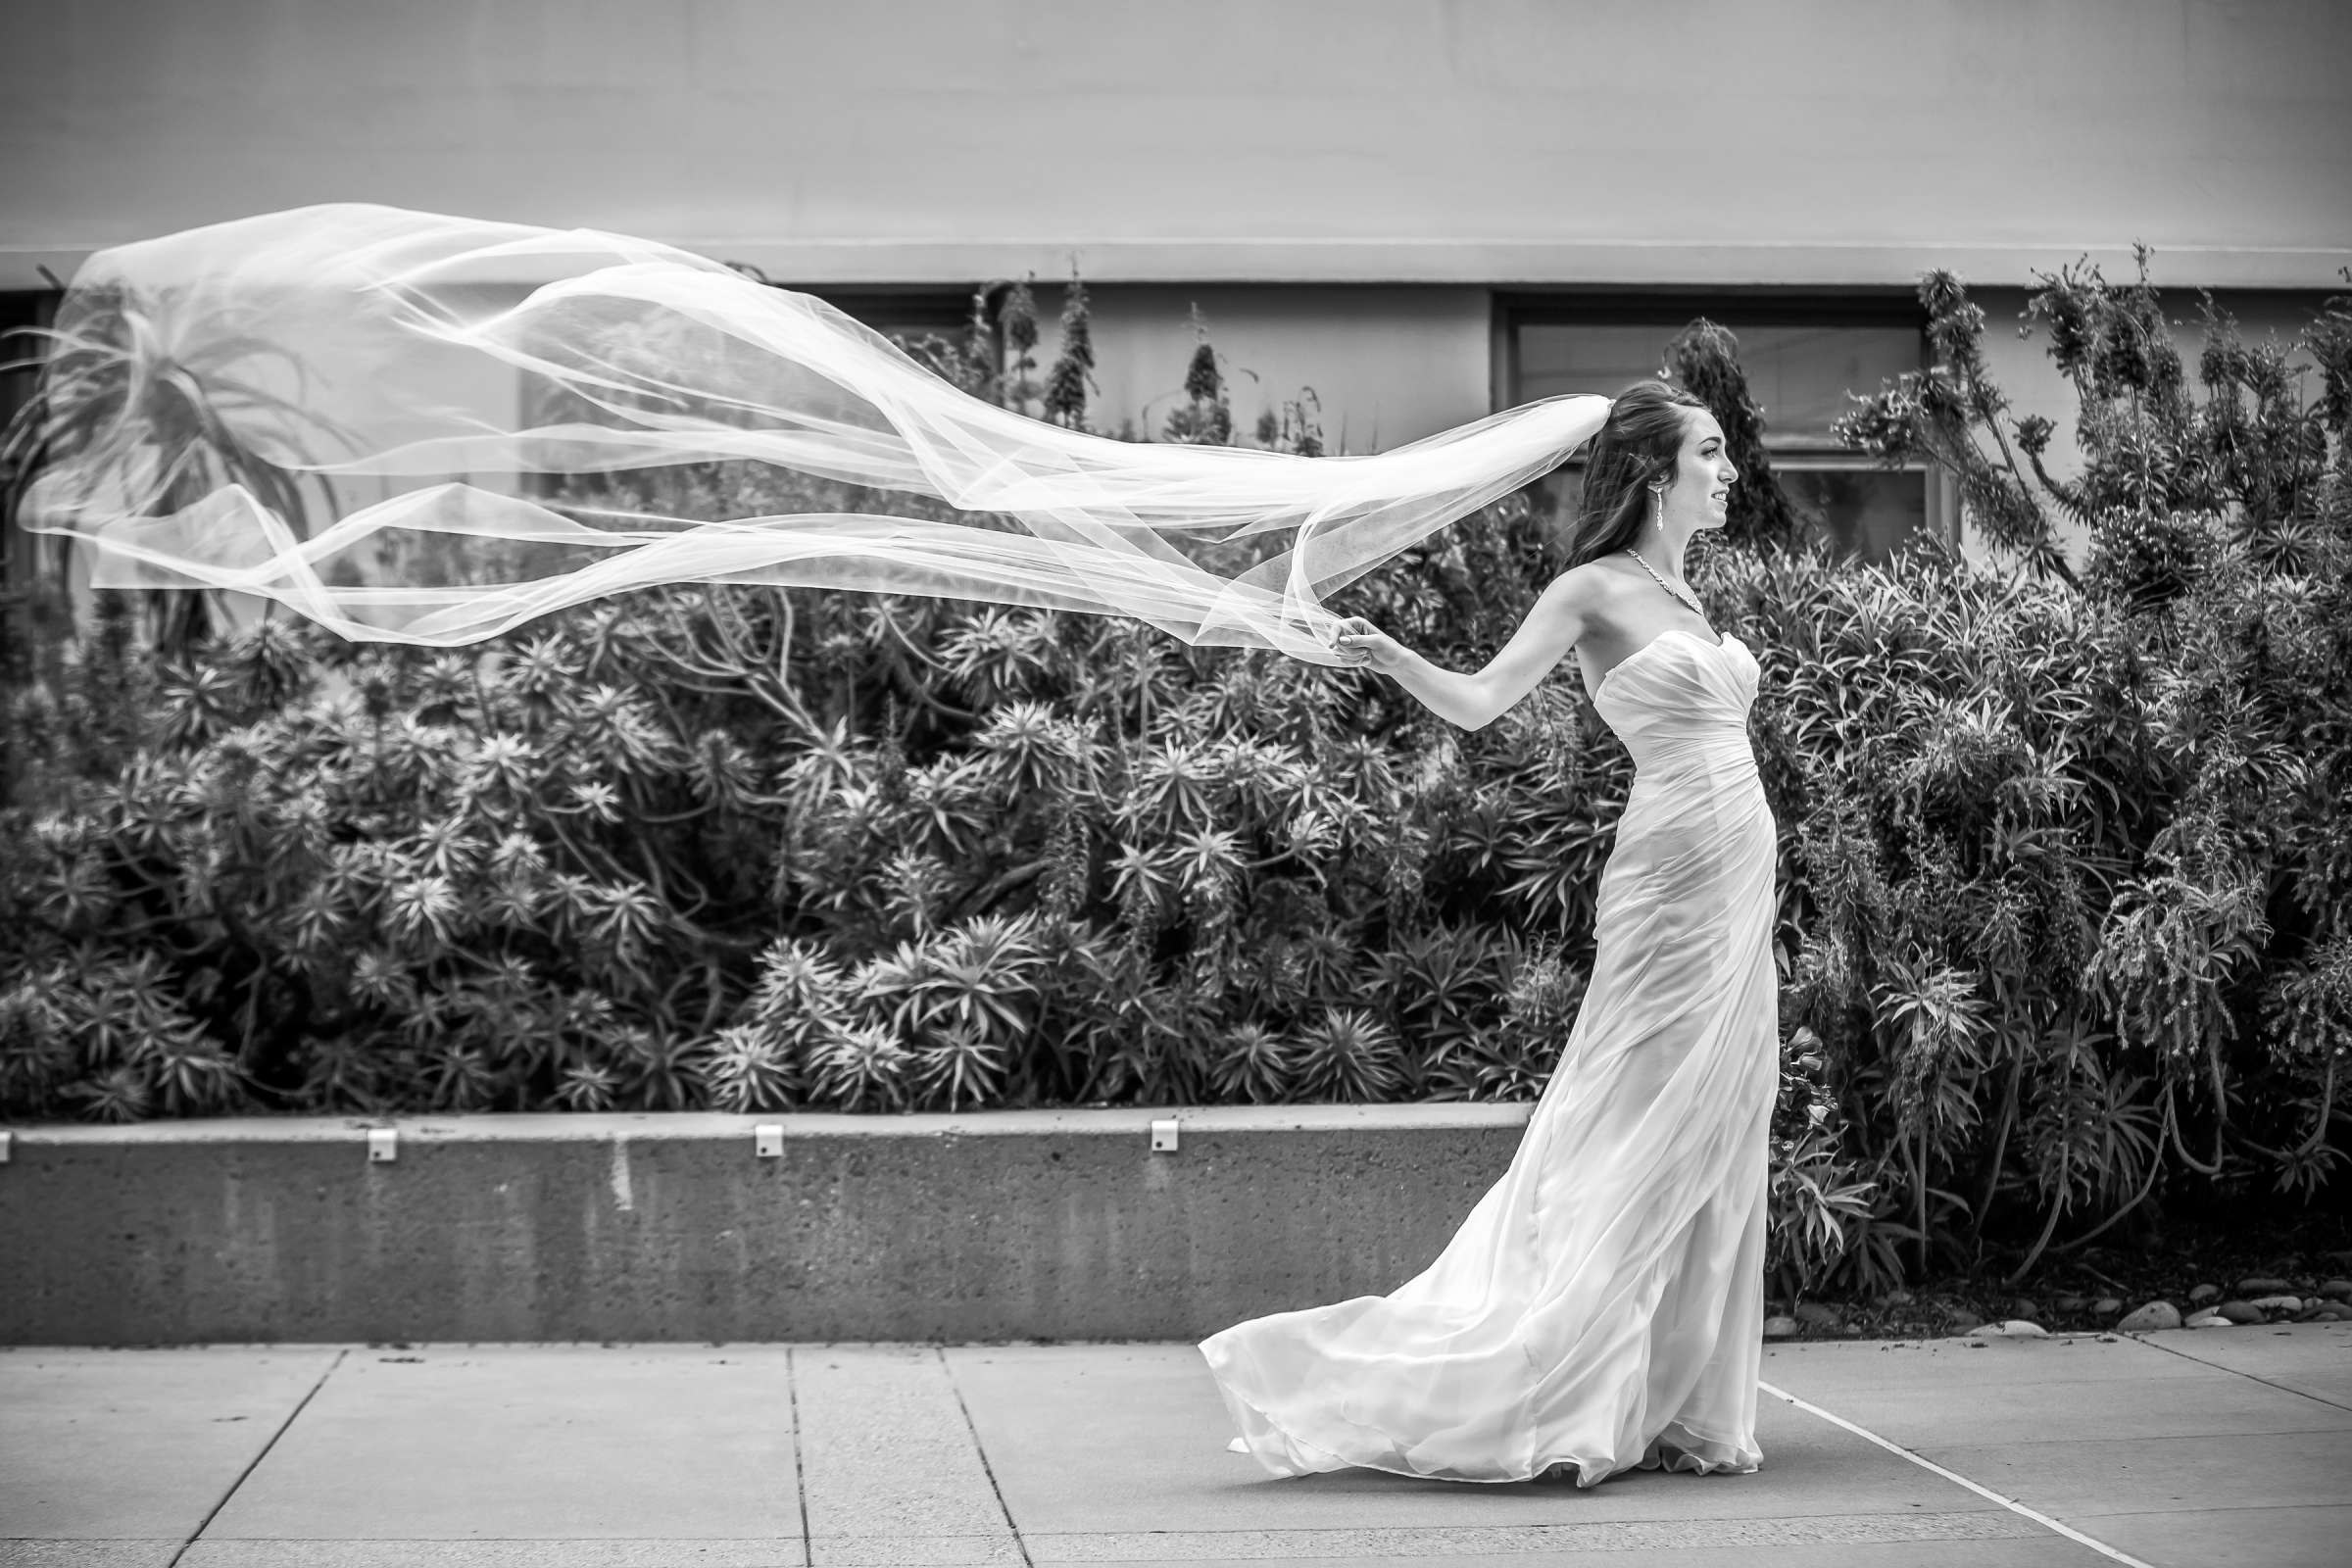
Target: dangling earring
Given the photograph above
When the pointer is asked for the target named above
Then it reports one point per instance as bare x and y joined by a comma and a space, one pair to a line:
1657, 513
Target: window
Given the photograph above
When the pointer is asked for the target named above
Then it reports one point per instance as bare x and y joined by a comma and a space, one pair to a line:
1801, 355
903, 316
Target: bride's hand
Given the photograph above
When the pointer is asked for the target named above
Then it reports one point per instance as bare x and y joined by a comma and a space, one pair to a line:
1359, 643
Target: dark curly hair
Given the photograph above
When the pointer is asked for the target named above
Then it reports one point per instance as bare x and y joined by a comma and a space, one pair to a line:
1637, 444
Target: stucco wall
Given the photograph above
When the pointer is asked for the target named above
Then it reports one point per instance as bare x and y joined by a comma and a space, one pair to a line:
1477, 141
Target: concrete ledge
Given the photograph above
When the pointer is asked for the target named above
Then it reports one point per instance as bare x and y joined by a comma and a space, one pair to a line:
1039, 1224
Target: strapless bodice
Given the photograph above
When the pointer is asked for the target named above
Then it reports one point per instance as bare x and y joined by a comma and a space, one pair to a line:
1680, 701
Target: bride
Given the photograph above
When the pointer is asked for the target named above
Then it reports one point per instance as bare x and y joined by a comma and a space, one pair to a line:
1601, 1308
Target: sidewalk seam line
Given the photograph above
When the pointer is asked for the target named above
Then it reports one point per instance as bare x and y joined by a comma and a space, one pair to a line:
981, 1449
800, 1471
2252, 1377
1955, 1477
214, 1512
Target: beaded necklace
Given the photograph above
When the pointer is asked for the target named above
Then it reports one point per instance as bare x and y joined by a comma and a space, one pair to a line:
1669, 587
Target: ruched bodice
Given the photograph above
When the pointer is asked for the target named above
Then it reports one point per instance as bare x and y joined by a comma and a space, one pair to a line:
1601, 1308
1679, 700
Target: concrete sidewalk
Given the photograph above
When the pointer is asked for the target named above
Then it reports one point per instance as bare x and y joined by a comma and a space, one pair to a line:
2189, 1447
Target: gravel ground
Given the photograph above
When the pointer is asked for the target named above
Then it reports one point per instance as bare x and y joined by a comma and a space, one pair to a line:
2199, 1265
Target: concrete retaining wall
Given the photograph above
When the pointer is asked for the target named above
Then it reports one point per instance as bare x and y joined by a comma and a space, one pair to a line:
1061, 1225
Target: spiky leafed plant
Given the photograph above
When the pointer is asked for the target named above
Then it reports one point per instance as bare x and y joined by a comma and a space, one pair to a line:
1253, 1065
961, 1069
1073, 367
588, 1086
116, 389
1205, 417
861, 1067
1018, 318
1347, 1054
1440, 987
744, 1069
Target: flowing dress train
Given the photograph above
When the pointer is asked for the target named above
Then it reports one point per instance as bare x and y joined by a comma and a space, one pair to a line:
1601, 1308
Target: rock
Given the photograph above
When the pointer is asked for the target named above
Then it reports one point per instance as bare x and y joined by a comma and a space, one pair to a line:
1817, 1314
1905, 1297
2240, 1311
2107, 1305
2208, 1320
1959, 1320
2203, 1294
1780, 1326
2071, 1304
2278, 1303
2154, 1316
2264, 1285
2324, 1312
2025, 1308
2341, 1290
2017, 1328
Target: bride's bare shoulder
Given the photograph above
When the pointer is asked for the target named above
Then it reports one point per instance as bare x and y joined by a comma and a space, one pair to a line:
1603, 575
1594, 591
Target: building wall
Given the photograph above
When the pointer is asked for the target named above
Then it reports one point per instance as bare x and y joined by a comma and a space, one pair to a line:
1339, 184
1469, 141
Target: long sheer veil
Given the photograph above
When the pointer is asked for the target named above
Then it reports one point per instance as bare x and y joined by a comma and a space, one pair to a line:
393, 388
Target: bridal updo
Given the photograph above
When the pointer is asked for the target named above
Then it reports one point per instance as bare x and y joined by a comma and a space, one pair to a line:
1640, 441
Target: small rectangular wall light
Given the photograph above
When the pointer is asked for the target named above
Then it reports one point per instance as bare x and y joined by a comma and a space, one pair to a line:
1163, 1135
383, 1143
767, 1140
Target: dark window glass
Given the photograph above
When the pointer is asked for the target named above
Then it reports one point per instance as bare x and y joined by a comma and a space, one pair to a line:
904, 315
1799, 371
1798, 376
1865, 513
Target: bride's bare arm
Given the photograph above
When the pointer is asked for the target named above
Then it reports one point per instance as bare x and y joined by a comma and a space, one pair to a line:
1473, 702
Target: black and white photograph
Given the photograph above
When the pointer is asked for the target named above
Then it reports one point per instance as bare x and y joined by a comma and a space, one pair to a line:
913, 783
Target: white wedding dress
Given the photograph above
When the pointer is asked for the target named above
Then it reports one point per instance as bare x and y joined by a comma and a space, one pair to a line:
1601, 1308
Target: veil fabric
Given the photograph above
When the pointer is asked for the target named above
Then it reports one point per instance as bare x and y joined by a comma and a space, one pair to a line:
399, 386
